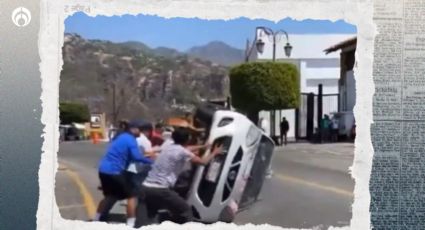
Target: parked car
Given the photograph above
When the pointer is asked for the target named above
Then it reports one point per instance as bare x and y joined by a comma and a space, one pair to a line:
71, 132
233, 180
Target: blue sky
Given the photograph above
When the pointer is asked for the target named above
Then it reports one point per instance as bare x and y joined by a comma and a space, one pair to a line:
184, 33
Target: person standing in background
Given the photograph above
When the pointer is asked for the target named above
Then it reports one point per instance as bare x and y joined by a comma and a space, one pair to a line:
111, 132
325, 128
334, 129
284, 128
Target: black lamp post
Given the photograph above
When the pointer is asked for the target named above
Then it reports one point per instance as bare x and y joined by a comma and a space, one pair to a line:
259, 43
275, 35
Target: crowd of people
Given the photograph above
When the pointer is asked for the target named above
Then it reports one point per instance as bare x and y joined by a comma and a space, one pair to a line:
329, 129
141, 165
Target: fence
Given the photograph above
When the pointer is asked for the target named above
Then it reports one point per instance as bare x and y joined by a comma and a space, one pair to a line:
307, 115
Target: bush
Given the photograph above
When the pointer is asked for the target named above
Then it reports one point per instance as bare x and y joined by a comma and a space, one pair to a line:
73, 112
260, 86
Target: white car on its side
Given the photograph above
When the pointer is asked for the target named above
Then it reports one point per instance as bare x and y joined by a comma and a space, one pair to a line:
232, 180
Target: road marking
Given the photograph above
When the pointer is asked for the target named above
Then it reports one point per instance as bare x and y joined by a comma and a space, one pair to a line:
72, 206
86, 195
315, 185
341, 153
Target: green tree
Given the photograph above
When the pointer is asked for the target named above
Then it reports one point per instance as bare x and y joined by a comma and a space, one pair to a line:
73, 112
260, 86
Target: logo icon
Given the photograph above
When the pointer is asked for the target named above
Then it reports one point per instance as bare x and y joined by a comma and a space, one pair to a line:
21, 16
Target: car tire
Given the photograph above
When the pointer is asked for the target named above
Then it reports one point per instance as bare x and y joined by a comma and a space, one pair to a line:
226, 215
205, 112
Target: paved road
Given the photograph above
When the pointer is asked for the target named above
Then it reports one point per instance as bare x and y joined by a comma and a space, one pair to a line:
311, 185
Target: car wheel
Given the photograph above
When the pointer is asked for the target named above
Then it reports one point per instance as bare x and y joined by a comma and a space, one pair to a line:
205, 112
226, 215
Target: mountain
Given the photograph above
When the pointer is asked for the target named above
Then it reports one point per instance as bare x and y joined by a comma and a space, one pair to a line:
160, 51
148, 83
166, 52
136, 46
218, 52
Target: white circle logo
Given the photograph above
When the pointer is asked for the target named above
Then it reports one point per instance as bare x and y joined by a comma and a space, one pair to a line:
21, 16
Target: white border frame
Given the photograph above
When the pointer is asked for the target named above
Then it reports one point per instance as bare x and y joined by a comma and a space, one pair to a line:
51, 36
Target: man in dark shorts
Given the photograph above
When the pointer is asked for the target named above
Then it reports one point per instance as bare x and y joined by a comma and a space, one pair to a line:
284, 128
115, 180
157, 189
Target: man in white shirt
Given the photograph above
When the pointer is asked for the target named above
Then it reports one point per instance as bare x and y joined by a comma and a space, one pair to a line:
146, 147
335, 129
143, 140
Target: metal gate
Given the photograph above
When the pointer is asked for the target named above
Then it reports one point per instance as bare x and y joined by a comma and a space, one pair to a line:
308, 115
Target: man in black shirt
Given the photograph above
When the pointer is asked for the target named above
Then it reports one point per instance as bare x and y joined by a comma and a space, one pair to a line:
284, 128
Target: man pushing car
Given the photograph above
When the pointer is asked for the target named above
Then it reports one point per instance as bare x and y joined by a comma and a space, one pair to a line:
157, 189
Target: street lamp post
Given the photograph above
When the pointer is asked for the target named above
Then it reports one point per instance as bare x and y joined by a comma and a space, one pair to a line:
112, 86
259, 44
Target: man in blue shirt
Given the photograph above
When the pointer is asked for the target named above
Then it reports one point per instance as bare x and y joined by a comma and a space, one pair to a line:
115, 180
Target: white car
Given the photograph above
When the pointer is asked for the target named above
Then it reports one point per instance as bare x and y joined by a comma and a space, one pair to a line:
233, 179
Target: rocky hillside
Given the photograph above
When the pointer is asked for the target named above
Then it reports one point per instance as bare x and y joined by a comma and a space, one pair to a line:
147, 83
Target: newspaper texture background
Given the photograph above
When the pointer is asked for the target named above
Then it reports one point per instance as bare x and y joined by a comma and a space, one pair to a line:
397, 179
358, 13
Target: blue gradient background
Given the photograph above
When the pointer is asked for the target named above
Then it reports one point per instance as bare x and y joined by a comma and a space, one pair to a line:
20, 111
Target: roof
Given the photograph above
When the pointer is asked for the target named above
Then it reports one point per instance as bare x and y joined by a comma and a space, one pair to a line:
341, 45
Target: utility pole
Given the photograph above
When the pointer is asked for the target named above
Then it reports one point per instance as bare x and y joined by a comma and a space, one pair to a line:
114, 109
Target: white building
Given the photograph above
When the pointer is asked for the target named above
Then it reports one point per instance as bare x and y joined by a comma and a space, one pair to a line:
315, 66
347, 84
